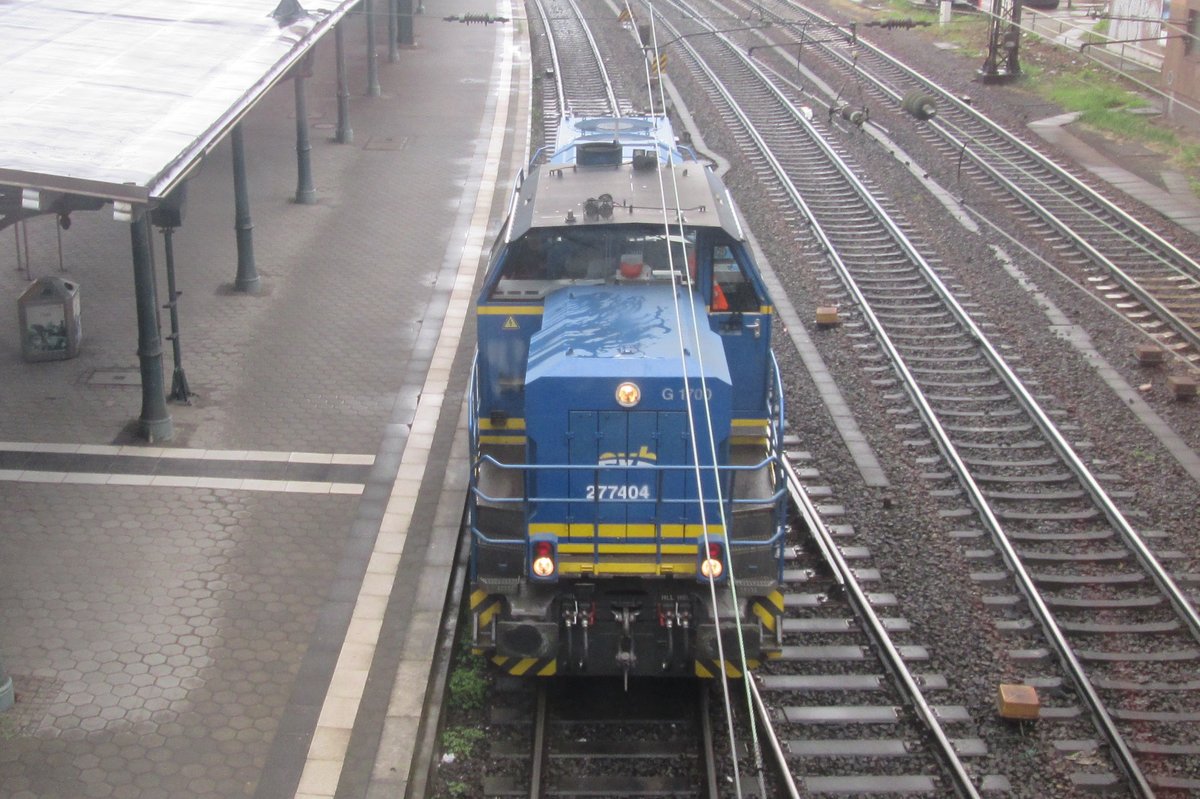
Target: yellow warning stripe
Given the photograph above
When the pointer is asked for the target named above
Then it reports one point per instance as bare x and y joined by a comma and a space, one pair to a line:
579, 530
492, 439
521, 667
768, 609
567, 568
513, 310
627, 549
507, 424
710, 668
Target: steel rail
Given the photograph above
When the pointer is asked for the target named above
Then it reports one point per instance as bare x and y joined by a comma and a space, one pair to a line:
559, 93
538, 763
1026, 149
962, 780
1146, 558
578, 25
587, 31
711, 786
1136, 233
888, 651
1062, 648
768, 728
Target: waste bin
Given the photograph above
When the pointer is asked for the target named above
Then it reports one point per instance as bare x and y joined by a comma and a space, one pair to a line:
50, 326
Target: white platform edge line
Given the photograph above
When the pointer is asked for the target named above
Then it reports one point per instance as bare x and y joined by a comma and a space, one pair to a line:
321, 774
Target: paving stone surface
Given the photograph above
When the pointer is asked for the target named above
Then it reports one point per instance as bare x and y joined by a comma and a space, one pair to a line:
166, 626
155, 633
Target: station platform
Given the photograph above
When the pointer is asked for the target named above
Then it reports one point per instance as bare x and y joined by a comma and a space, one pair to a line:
253, 608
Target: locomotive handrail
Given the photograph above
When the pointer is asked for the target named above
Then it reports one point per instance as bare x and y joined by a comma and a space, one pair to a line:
512, 204
473, 394
597, 467
771, 498
663, 466
777, 401
498, 501
731, 543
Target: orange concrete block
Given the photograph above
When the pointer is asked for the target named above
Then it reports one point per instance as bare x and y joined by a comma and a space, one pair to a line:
1151, 354
1018, 701
827, 315
1182, 387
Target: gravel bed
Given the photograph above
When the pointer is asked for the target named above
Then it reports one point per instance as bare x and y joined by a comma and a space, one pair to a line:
909, 540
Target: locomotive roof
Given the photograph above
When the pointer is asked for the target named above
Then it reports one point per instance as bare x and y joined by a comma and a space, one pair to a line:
555, 195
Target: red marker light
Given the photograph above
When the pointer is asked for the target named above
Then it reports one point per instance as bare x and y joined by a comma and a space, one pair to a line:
712, 567
543, 558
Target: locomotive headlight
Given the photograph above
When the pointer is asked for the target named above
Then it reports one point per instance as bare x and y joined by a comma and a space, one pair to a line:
711, 567
543, 559
628, 395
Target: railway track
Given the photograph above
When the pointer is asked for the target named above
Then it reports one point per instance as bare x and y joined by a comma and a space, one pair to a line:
590, 737
851, 715
871, 707
1062, 556
1144, 275
1096, 596
578, 82
840, 674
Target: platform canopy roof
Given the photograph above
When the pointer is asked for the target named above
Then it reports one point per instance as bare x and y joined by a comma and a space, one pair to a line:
117, 100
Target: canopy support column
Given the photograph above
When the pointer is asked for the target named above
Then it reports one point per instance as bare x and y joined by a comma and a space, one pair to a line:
247, 272
345, 135
373, 89
155, 421
305, 193
404, 22
393, 51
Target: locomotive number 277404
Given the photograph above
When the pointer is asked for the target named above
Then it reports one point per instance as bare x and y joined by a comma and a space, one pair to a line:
602, 492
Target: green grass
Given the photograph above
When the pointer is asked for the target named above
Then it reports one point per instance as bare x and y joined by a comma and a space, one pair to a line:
455, 789
460, 741
1105, 101
967, 31
468, 684
1103, 104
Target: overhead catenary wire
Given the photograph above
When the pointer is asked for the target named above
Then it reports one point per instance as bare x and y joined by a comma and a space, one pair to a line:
690, 284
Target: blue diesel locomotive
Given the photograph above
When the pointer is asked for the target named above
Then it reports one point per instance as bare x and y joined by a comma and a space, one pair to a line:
627, 510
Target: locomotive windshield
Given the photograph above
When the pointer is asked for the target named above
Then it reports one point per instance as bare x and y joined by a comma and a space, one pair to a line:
547, 258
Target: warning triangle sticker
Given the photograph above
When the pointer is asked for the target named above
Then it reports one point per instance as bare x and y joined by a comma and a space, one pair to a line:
510, 323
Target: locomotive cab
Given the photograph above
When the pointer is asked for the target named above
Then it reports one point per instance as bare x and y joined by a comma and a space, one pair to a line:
626, 498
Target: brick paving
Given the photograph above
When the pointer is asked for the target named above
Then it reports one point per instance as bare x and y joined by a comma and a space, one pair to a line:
160, 627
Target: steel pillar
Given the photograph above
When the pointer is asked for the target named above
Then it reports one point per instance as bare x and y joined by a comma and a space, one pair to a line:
393, 51
155, 421
247, 272
345, 135
305, 193
373, 89
404, 22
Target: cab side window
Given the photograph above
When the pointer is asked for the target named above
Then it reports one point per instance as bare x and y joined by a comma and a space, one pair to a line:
731, 290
